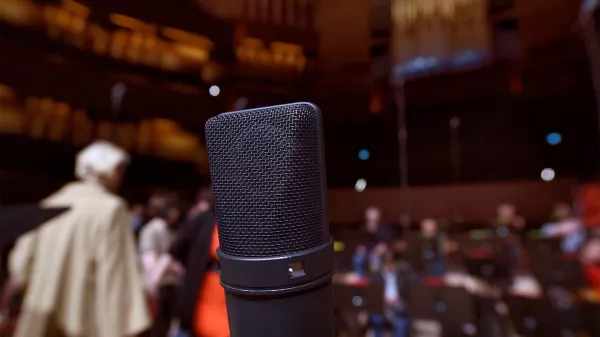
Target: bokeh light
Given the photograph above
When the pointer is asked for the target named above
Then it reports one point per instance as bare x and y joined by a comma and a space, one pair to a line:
214, 90
364, 154
360, 185
548, 174
554, 138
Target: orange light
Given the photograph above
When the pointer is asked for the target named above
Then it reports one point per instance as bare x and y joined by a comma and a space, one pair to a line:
6, 93
252, 43
170, 61
119, 41
62, 18
62, 109
12, 121
76, 8
100, 39
187, 37
376, 102
47, 105
78, 25
18, 12
191, 52
32, 104
132, 23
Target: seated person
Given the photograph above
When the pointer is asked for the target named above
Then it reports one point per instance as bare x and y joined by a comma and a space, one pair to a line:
376, 234
506, 216
433, 248
567, 227
394, 280
508, 219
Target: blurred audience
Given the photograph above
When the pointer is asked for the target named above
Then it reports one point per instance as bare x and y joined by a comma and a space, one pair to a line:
79, 271
80, 274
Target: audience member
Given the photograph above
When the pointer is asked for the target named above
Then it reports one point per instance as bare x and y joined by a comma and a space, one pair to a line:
376, 238
394, 281
155, 239
506, 216
567, 227
138, 211
376, 232
200, 295
433, 249
508, 224
80, 270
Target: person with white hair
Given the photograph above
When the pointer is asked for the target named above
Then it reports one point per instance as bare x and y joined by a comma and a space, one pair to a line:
79, 271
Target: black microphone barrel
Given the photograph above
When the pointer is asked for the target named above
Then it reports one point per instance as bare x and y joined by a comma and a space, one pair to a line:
276, 254
301, 314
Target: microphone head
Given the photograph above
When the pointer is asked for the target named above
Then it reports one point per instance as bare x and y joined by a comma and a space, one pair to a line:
268, 180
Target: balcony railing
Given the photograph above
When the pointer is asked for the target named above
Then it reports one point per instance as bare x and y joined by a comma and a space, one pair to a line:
124, 39
44, 118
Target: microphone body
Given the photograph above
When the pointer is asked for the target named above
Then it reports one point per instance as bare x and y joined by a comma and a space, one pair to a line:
276, 254
292, 316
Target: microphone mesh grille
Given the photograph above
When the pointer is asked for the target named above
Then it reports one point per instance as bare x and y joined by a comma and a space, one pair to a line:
265, 167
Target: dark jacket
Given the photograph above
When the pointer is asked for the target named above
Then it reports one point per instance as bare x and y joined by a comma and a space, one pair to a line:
192, 249
402, 283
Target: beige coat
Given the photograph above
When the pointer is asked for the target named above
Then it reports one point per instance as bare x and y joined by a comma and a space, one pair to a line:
80, 270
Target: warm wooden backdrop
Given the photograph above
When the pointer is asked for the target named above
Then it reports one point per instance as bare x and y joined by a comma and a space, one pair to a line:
476, 202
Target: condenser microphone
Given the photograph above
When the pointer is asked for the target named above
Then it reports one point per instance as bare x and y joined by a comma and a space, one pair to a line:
276, 257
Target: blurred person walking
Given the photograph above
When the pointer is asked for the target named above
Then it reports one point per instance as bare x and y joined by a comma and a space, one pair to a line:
79, 271
201, 305
155, 239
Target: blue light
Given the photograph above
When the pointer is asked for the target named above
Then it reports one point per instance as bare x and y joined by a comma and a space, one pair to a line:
554, 138
364, 154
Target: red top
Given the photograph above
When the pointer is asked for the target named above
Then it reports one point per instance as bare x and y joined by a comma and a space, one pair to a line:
433, 281
589, 198
592, 274
211, 311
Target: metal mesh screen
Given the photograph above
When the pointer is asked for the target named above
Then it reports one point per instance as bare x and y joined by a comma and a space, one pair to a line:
265, 166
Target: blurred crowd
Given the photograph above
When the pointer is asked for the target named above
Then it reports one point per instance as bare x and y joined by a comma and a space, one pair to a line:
106, 269
437, 257
102, 269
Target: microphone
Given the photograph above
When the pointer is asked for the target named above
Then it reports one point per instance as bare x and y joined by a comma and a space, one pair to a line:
276, 257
